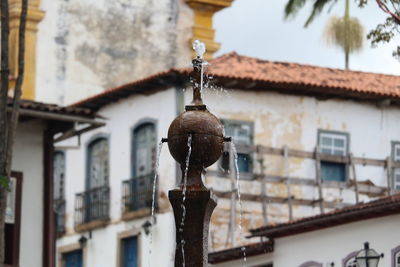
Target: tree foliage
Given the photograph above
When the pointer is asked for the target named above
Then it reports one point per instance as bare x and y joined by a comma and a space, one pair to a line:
383, 32
345, 32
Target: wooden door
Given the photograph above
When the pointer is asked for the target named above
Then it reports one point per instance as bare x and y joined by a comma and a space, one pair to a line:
130, 252
13, 220
73, 259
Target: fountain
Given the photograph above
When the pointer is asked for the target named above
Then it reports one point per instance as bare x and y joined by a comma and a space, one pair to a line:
195, 140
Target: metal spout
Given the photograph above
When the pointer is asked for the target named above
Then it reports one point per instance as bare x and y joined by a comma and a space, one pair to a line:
197, 80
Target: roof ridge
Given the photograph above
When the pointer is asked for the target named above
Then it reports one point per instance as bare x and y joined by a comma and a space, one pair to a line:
235, 54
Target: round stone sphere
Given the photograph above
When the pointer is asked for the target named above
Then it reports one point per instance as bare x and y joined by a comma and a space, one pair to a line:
207, 138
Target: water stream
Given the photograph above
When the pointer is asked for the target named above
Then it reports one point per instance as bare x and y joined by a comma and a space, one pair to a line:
189, 144
153, 202
243, 249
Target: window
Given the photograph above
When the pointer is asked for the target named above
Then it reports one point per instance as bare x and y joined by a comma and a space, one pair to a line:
396, 257
94, 203
311, 264
144, 149
129, 252
98, 168
138, 190
396, 171
333, 143
242, 134
351, 263
59, 197
350, 260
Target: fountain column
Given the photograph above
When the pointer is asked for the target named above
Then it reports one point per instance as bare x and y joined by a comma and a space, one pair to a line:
195, 140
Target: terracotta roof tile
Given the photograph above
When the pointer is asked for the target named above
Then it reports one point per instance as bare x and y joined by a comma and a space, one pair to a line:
381, 207
249, 68
51, 108
283, 77
237, 252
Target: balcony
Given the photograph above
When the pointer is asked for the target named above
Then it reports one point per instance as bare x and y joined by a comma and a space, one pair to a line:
92, 208
137, 196
59, 208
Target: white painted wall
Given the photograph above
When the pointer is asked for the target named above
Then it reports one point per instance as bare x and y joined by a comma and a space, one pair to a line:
332, 244
102, 248
28, 159
279, 120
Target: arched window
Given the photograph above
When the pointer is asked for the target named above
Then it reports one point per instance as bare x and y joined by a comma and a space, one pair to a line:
93, 204
58, 191
138, 191
311, 264
350, 260
59, 175
98, 163
396, 257
144, 148
351, 263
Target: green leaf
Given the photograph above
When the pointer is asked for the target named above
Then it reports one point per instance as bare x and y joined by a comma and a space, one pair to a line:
5, 183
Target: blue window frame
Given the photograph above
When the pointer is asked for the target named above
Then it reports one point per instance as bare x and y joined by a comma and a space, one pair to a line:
73, 259
242, 134
129, 257
333, 143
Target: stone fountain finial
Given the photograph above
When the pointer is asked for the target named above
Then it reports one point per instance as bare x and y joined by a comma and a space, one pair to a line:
192, 202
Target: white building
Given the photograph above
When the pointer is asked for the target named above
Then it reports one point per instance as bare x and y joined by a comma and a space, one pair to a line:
29, 228
79, 48
331, 239
277, 113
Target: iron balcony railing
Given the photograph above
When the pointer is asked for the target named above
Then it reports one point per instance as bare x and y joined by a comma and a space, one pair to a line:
92, 205
137, 193
59, 209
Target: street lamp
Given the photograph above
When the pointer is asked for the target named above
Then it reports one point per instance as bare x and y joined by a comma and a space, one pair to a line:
367, 257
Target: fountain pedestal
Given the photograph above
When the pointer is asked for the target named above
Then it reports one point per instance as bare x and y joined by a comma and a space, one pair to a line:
195, 141
193, 234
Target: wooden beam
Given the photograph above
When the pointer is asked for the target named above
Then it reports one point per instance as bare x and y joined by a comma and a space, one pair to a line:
323, 157
318, 178
286, 174
389, 170
282, 200
353, 168
370, 190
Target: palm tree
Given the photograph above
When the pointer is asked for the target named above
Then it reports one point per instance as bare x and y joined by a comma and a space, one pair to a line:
293, 7
345, 32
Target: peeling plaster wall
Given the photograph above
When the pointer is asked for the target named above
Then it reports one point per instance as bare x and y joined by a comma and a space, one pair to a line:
279, 120
88, 46
294, 121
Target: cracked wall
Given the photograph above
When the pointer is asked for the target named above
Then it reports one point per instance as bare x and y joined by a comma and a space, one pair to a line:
86, 47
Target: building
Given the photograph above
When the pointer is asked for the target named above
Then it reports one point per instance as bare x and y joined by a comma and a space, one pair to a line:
309, 140
76, 49
330, 239
29, 229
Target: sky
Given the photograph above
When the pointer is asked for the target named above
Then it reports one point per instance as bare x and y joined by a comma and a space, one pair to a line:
257, 28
